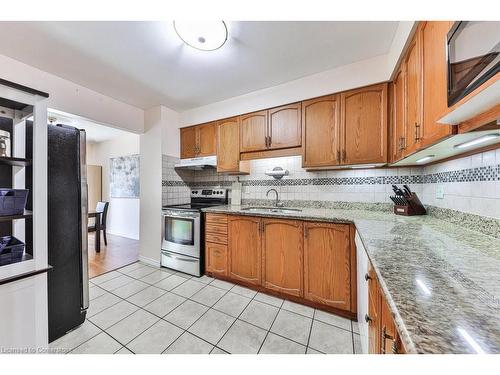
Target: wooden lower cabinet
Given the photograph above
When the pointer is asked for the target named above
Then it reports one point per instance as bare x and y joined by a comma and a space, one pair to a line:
327, 264
383, 335
244, 245
216, 258
282, 256
307, 262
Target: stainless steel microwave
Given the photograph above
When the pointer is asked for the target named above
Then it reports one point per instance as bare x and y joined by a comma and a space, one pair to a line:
473, 55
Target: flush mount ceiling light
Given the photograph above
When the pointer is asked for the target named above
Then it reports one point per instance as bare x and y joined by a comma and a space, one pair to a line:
202, 35
477, 141
425, 158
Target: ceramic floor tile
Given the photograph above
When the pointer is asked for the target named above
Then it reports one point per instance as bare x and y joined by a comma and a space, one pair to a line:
357, 344
222, 284
292, 326
186, 314
183, 275
74, 338
189, 344
170, 282
95, 291
259, 314
101, 303
212, 326
216, 350
130, 267
204, 279
242, 338
209, 295
298, 308
105, 277
116, 282
232, 304
355, 327
330, 339
141, 272
332, 319
113, 314
268, 299
242, 291
146, 296
124, 350
155, 339
100, 344
188, 288
312, 351
133, 325
165, 304
155, 277
129, 289
275, 344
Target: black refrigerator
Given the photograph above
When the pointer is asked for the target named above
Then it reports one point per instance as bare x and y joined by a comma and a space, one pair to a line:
68, 281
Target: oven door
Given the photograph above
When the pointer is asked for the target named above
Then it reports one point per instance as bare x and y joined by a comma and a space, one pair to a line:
181, 232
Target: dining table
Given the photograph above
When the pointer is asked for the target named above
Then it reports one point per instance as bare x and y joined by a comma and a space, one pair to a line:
97, 216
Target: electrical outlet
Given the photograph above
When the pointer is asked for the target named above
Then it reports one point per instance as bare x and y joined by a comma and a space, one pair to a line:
440, 192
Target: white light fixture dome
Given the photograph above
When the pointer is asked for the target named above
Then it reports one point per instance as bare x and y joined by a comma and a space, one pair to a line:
202, 35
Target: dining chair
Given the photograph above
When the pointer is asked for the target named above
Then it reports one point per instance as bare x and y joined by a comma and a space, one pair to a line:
101, 207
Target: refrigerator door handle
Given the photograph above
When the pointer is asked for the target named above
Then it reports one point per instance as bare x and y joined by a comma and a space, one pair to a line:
84, 205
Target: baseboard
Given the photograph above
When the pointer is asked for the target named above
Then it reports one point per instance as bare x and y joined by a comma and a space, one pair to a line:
119, 234
150, 261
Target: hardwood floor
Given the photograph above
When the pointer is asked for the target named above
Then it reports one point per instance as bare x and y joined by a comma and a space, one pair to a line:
119, 252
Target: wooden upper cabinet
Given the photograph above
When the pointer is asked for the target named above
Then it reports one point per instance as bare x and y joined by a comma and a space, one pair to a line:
282, 256
253, 135
198, 140
364, 125
206, 139
433, 39
327, 264
284, 127
320, 131
244, 244
413, 96
228, 147
398, 116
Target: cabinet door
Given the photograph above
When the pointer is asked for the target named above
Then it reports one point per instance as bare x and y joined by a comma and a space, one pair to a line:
284, 126
413, 94
188, 142
327, 264
228, 145
206, 139
398, 116
389, 337
282, 256
254, 132
373, 316
433, 37
216, 258
364, 125
320, 131
244, 246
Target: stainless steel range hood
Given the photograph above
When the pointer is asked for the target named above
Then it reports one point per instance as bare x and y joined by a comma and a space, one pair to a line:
198, 163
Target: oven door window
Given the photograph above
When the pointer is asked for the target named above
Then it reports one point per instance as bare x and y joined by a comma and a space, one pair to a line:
179, 230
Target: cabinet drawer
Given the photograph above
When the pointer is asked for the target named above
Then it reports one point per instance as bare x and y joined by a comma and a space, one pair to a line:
217, 238
216, 228
216, 219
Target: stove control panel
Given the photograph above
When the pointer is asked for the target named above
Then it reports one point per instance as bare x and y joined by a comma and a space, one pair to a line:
209, 193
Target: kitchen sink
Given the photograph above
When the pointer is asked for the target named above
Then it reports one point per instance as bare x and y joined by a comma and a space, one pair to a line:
280, 210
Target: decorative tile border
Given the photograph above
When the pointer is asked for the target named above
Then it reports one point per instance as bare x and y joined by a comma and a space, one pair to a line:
479, 174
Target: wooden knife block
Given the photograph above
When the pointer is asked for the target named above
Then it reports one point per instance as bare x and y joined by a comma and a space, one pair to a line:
414, 207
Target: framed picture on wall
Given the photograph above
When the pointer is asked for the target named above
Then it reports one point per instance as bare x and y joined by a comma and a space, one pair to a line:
124, 177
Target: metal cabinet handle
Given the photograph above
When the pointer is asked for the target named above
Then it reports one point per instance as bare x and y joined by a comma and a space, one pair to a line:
367, 277
417, 132
344, 155
338, 156
385, 336
306, 232
368, 319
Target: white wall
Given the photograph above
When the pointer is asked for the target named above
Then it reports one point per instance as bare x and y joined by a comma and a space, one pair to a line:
124, 213
69, 97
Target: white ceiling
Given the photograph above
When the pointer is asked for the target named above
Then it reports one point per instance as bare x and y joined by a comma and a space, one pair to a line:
94, 132
146, 64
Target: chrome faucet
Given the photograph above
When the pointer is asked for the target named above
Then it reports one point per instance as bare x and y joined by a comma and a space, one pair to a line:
277, 203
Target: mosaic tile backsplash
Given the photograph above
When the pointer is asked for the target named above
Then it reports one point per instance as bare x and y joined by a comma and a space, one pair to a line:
470, 184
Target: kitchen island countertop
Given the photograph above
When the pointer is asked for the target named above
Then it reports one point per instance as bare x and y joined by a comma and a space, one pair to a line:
441, 281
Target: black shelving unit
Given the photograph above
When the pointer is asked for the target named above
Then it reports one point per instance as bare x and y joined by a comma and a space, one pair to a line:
25, 215
16, 162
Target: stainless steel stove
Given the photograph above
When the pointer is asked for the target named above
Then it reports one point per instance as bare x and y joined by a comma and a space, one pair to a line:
182, 231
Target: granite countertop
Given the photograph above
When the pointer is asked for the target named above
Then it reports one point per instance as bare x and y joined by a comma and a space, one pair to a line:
441, 281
